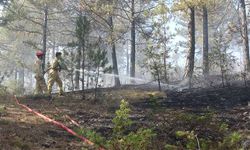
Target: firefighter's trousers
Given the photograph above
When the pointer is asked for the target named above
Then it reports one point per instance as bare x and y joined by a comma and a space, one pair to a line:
41, 87
52, 78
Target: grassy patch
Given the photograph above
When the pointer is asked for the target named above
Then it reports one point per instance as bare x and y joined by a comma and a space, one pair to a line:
2, 108
113, 98
18, 143
4, 122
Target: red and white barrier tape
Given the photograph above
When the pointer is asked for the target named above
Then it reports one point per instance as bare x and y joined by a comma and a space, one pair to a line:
59, 124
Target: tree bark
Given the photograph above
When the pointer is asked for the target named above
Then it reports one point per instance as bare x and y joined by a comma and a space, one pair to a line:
165, 64
127, 70
114, 58
45, 26
158, 79
132, 61
83, 64
78, 65
72, 71
83, 67
191, 51
205, 42
96, 81
115, 67
21, 80
244, 34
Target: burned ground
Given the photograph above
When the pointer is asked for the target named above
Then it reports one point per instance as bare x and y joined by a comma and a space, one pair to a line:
164, 112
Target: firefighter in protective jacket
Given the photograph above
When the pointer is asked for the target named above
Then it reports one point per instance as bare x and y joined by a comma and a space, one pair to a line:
53, 73
41, 87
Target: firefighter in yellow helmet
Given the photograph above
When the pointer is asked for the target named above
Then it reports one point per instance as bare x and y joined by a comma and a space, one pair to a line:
53, 73
41, 87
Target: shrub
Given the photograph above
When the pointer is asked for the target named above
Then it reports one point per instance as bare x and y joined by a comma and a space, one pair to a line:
138, 140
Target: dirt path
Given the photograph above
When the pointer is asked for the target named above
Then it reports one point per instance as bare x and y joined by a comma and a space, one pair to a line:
20, 129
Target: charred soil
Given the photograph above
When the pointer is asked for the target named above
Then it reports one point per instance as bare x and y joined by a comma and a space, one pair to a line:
202, 111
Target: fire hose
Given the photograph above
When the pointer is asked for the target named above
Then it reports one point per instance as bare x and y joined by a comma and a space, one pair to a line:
56, 123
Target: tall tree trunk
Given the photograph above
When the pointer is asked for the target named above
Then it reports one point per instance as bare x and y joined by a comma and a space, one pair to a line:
72, 71
115, 66
205, 42
54, 49
96, 81
165, 64
127, 71
132, 61
158, 79
1, 78
244, 35
83, 66
78, 65
87, 82
165, 54
16, 74
21, 80
114, 58
45, 26
191, 51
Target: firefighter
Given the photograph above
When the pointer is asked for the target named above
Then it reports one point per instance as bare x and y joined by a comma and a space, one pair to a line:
53, 73
41, 87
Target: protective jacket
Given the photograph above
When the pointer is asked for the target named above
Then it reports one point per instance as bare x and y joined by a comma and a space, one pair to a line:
41, 87
53, 74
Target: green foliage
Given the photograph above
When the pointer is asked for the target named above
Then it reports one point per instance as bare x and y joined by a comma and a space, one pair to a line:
72, 44
138, 140
98, 56
13, 87
192, 135
161, 8
170, 147
182, 5
231, 141
18, 143
220, 59
82, 28
224, 127
122, 120
197, 120
92, 136
98, 60
158, 43
2, 109
153, 99
181, 134
3, 91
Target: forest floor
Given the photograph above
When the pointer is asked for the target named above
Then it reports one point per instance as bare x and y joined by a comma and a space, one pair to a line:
164, 112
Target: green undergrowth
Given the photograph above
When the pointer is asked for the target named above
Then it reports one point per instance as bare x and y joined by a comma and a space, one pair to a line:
121, 137
19, 144
185, 131
205, 133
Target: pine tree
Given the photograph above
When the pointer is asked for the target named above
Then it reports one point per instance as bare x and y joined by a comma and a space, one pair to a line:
82, 32
189, 7
244, 34
99, 61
